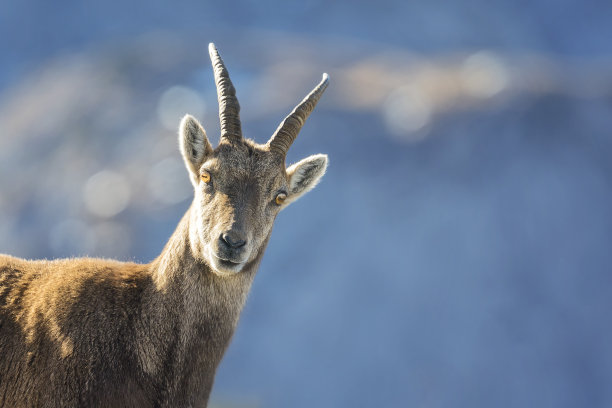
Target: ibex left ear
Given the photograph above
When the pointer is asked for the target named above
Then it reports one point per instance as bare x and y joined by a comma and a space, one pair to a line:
304, 175
195, 146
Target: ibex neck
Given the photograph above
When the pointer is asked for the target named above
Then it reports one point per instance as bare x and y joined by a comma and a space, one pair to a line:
200, 311
176, 259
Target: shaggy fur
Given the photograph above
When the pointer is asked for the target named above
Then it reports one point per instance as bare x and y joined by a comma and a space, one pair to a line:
102, 333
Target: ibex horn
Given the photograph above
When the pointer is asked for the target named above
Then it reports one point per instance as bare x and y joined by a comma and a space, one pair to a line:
289, 128
229, 108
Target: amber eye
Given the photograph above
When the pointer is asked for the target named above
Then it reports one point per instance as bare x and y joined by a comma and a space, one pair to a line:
280, 198
205, 176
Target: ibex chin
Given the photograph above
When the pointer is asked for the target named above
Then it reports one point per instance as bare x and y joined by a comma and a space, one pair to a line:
101, 333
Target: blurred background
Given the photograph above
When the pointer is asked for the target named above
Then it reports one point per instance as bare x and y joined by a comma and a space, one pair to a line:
456, 254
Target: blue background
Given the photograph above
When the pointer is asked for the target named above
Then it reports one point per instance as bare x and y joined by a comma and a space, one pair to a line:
457, 252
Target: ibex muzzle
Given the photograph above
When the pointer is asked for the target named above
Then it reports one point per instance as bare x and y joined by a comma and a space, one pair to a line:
100, 333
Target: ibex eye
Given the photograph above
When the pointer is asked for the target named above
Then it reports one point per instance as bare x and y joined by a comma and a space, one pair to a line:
280, 198
205, 177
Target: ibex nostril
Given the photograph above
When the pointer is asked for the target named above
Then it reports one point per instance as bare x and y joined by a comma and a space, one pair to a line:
233, 240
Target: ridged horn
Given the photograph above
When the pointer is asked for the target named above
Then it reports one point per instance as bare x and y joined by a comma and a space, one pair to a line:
289, 128
229, 108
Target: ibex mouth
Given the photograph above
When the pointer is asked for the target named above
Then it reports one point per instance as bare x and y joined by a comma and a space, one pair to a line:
226, 266
228, 263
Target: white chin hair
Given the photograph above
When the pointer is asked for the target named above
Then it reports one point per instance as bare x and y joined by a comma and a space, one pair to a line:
227, 269
222, 267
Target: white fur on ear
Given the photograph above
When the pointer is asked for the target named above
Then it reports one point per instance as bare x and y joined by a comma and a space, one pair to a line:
305, 175
194, 145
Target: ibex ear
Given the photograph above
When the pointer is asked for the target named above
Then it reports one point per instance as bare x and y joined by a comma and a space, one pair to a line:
195, 146
304, 175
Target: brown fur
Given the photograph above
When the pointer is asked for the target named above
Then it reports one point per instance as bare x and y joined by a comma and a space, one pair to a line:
102, 333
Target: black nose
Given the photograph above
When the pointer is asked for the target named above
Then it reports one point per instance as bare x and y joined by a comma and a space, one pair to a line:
232, 239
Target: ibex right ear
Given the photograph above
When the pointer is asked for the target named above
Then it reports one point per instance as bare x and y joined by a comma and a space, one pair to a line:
195, 146
304, 175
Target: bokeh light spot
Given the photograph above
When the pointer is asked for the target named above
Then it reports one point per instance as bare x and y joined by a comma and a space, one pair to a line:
484, 75
106, 193
407, 111
177, 101
168, 181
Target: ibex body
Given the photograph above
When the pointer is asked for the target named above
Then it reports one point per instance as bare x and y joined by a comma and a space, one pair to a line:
101, 333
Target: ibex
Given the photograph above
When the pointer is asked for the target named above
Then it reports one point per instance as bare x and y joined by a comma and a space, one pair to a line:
102, 333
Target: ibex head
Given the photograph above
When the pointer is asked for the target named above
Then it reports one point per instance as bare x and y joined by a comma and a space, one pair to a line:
241, 186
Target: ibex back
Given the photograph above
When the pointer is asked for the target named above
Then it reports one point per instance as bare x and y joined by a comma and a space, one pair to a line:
102, 333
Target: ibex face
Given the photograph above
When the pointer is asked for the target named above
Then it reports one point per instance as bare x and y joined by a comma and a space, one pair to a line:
241, 186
